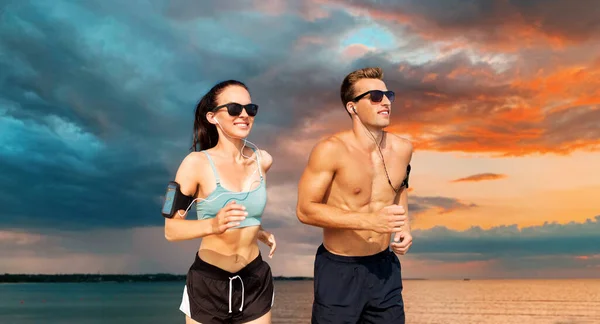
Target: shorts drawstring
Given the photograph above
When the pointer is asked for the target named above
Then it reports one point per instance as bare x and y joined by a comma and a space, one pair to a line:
231, 290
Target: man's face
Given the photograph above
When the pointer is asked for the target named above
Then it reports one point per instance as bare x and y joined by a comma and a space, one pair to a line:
370, 112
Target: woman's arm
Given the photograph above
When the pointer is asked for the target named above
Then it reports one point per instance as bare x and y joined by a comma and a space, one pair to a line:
178, 228
268, 239
264, 236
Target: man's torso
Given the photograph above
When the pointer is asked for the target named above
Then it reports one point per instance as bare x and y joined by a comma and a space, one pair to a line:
360, 184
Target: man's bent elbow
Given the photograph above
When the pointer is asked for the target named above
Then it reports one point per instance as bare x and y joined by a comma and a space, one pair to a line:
303, 216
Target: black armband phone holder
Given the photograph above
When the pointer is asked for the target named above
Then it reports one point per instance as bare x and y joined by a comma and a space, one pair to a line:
405, 182
175, 200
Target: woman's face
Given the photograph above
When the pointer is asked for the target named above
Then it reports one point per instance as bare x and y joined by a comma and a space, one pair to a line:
234, 126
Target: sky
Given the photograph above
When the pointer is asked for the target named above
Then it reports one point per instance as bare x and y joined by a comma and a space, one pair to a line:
501, 100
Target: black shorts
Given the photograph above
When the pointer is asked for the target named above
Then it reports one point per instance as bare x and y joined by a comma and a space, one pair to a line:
365, 289
218, 296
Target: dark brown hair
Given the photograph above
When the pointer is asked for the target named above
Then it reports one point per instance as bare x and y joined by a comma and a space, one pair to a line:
205, 134
347, 90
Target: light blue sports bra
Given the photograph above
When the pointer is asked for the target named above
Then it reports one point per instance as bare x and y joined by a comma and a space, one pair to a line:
254, 200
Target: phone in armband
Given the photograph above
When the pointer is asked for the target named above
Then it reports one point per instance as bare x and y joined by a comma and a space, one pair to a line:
174, 200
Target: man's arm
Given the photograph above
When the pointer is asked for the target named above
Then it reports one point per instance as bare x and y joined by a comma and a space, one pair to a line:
403, 239
405, 148
402, 200
313, 185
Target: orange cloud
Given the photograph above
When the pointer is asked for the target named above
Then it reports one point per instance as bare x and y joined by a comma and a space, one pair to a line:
536, 94
481, 177
475, 109
572, 85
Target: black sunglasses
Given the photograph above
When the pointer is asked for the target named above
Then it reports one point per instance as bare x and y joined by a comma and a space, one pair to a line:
235, 109
377, 95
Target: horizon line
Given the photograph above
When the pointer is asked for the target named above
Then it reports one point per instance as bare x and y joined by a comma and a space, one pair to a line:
287, 276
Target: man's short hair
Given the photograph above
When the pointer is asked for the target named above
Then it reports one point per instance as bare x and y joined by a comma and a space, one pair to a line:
347, 91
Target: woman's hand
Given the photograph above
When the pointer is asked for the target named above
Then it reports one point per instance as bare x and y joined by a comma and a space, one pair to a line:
269, 240
229, 216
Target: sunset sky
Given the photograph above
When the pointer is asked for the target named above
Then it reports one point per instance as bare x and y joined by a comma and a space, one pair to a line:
500, 98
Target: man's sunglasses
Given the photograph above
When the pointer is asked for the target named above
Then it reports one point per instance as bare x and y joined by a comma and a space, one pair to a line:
235, 109
377, 95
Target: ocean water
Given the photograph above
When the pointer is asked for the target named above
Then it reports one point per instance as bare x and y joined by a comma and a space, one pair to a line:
427, 301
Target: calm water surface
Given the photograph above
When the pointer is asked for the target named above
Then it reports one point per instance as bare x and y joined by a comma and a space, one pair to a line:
428, 301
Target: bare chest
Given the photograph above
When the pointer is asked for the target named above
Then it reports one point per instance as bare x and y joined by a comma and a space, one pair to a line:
367, 179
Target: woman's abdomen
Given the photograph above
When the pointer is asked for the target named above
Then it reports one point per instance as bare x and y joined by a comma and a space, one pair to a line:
232, 250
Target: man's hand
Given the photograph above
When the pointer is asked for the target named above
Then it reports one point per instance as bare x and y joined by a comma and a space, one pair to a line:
389, 219
402, 242
269, 240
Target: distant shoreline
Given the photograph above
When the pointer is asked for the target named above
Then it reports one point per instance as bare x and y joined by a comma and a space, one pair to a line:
75, 278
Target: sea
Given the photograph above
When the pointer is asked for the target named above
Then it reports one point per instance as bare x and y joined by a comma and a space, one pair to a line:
426, 302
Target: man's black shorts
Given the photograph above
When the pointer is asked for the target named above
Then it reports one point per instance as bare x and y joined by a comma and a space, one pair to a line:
214, 296
366, 289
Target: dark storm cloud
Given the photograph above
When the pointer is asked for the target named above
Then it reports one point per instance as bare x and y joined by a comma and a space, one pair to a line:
485, 21
574, 20
97, 98
96, 102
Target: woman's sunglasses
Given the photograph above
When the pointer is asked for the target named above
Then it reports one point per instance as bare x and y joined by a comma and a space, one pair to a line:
377, 95
235, 109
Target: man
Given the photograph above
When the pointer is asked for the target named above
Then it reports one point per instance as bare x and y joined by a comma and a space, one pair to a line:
355, 188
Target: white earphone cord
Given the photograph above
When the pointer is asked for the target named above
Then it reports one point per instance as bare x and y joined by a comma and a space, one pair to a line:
378, 149
231, 193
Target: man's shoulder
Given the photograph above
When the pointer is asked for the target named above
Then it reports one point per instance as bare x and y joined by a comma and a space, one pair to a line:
331, 143
329, 146
400, 144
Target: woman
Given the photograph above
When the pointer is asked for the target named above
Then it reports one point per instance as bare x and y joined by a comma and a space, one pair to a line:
228, 281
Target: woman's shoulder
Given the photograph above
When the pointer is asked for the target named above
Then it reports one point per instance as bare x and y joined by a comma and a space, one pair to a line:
191, 171
195, 159
266, 160
193, 162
